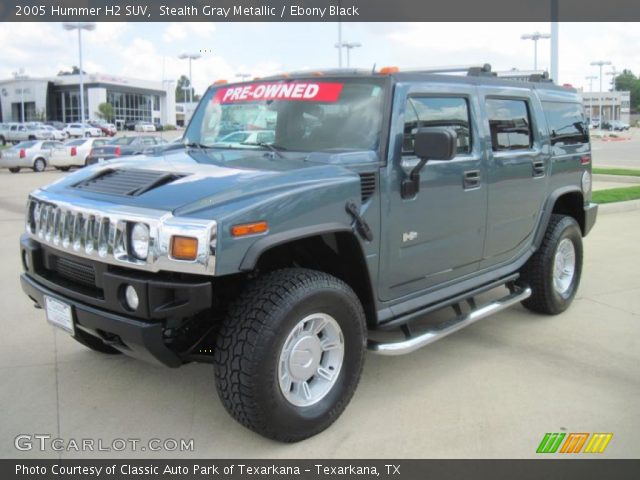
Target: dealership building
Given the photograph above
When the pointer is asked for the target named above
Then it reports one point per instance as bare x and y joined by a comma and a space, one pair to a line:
58, 99
615, 105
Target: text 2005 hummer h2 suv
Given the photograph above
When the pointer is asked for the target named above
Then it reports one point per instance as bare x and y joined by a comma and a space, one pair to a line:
307, 218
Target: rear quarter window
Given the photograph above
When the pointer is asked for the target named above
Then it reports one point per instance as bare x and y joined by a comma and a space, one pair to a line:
566, 122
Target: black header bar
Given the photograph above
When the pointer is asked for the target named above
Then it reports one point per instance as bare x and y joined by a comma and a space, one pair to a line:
319, 10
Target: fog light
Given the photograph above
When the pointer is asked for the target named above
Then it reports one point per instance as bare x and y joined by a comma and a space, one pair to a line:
131, 297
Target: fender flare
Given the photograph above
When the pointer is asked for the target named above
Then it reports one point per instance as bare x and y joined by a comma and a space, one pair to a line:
548, 208
254, 252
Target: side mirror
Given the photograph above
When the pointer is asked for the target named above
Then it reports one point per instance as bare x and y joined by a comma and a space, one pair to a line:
430, 143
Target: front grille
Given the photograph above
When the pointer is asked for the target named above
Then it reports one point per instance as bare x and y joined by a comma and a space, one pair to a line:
126, 182
75, 231
76, 272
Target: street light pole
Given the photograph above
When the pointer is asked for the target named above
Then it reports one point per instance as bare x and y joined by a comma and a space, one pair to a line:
591, 78
89, 26
600, 63
535, 37
190, 56
339, 45
613, 74
348, 46
19, 75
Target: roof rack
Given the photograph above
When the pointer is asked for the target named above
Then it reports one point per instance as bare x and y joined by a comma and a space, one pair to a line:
471, 70
536, 76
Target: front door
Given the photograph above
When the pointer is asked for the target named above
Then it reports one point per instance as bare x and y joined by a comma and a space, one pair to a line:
437, 235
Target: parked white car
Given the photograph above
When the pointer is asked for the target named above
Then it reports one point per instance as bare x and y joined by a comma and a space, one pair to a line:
33, 154
76, 130
145, 127
55, 133
74, 153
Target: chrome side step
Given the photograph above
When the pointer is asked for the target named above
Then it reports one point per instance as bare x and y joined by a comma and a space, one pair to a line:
413, 343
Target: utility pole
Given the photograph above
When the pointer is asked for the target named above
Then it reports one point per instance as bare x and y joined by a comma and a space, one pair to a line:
600, 63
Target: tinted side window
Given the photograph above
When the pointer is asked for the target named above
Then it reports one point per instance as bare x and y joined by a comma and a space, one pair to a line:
509, 124
437, 112
566, 123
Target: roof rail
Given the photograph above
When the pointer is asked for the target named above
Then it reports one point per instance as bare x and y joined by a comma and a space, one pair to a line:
536, 76
471, 70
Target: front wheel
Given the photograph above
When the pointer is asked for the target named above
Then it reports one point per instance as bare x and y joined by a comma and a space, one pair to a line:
554, 271
289, 354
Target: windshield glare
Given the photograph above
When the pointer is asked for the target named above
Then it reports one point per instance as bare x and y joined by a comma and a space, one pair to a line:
300, 115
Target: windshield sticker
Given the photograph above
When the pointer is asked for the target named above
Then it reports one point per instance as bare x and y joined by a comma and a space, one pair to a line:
294, 91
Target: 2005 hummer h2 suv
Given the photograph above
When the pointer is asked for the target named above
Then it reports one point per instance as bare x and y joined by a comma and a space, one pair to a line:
306, 218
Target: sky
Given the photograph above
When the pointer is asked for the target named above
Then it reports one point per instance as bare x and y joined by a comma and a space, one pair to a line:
150, 50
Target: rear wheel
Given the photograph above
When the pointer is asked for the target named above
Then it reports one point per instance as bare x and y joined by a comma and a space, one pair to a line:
554, 271
289, 354
14, 169
39, 165
3, 140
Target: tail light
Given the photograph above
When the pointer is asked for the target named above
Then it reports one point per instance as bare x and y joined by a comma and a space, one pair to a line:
74, 151
22, 153
91, 152
118, 151
585, 160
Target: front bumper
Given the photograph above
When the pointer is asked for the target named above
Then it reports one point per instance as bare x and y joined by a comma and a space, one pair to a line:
165, 304
590, 214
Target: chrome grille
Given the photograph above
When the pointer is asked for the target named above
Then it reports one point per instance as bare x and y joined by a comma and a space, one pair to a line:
99, 231
77, 231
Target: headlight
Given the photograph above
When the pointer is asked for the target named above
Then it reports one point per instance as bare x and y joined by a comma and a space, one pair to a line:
140, 241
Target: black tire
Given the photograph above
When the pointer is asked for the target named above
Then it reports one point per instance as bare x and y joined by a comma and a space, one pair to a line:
39, 165
3, 140
538, 272
252, 336
64, 169
94, 343
14, 169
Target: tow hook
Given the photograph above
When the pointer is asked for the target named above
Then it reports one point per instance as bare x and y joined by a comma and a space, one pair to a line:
361, 226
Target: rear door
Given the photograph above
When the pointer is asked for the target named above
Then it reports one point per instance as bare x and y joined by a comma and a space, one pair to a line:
518, 170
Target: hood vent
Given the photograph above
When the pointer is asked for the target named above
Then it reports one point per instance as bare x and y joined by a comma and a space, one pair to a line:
126, 182
367, 185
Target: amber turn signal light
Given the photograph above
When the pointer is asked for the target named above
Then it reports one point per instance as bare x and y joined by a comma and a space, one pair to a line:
249, 229
184, 248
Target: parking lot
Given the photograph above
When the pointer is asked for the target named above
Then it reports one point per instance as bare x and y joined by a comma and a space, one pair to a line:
492, 390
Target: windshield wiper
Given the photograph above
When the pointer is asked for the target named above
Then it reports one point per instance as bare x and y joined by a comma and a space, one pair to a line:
270, 146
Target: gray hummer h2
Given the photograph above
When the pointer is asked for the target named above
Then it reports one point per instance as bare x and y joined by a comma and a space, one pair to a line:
306, 218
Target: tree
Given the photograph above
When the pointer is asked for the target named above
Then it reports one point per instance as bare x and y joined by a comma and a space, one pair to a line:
105, 111
627, 81
74, 71
182, 94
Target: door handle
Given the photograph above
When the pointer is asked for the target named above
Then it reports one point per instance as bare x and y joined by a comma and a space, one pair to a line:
471, 179
538, 168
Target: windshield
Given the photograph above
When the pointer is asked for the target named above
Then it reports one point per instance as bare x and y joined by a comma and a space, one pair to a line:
27, 144
299, 115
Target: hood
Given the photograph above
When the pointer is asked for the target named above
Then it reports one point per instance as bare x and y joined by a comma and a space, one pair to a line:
188, 181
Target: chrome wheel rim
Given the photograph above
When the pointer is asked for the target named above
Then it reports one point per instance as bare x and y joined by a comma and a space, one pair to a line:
564, 266
311, 359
